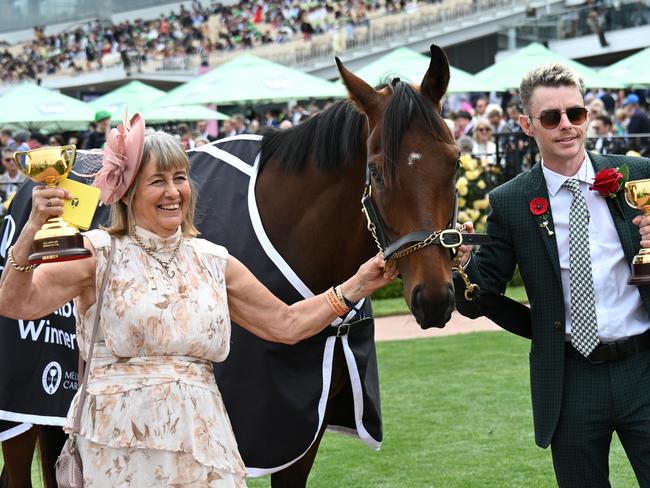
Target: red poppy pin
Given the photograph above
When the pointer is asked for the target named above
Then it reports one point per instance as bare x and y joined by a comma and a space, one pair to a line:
610, 181
538, 206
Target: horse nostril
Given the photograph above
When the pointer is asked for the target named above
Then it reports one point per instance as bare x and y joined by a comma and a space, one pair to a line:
416, 300
432, 309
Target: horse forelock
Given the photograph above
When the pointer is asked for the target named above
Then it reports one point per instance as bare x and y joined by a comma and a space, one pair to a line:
330, 138
407, 108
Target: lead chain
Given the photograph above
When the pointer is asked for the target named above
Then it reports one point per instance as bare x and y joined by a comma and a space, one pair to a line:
411, 249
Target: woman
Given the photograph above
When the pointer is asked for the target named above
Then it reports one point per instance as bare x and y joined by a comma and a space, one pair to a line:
484, 147
154, 415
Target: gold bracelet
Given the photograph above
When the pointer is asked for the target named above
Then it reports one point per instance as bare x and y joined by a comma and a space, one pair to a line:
28, 268
339, 294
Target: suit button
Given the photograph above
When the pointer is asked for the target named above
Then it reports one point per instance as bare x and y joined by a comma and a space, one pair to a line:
557, 324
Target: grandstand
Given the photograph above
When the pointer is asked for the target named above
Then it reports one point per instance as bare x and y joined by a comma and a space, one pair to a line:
167, 46
87, 48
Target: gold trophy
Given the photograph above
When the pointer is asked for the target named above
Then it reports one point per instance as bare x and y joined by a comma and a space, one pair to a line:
637, 195
56, 240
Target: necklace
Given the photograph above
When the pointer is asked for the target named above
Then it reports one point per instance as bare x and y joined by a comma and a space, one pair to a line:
165, 264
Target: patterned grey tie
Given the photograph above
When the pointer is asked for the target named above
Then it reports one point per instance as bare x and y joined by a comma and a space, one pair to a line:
584, 328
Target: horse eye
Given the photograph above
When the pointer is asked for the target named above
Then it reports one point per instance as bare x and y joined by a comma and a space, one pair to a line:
376, 175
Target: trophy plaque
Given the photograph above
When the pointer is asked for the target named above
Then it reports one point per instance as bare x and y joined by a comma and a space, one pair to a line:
637, 195
56, 240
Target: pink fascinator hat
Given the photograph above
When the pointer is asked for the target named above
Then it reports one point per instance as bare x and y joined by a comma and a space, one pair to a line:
122, 157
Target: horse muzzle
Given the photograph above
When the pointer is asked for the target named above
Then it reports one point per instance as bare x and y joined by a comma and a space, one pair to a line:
432, 308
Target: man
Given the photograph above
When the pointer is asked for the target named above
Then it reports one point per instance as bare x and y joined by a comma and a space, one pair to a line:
463, 124
6, 139
590, 352
239, 124
228, 129
512, 141
11, 178
97, 138
639, 123
480, 106
22, 138
603, 141
203, 132
494, 113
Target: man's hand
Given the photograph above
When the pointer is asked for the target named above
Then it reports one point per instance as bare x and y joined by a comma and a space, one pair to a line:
643, 221
465, 250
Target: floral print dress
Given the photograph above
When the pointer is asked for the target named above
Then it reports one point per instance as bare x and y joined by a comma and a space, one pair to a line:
154, 415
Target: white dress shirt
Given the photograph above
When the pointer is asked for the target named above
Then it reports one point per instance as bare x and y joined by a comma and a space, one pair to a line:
619, 309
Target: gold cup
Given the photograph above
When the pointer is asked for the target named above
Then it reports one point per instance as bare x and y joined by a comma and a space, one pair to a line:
637, 195
56, 240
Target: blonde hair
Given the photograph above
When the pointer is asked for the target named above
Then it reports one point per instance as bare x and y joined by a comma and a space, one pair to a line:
168, 155
548, 75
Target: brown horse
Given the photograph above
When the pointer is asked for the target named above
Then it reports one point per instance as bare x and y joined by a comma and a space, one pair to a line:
18, 453
391, 147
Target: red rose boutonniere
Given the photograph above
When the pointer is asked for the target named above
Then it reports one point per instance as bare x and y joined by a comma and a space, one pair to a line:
610, 181
538, 206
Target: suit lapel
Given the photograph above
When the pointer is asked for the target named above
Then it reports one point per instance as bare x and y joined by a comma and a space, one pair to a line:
544, 223
621, 213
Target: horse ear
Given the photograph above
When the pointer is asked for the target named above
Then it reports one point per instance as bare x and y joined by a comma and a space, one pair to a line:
436, 79
363, 96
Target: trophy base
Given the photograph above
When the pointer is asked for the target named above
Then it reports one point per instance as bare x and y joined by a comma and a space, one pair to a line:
59, 248
640, 274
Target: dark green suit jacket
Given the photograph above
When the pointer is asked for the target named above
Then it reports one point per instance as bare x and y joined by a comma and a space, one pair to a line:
519, 239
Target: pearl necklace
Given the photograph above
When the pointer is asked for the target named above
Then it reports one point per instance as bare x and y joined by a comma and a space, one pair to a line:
150, 251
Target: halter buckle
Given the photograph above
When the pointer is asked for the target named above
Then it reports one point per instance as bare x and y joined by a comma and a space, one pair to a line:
458, 238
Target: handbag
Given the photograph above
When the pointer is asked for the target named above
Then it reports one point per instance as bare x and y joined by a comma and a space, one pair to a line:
69, 470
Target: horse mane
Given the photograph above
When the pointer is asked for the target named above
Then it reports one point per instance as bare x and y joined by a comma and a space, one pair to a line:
406, 108
333, 136
338, 134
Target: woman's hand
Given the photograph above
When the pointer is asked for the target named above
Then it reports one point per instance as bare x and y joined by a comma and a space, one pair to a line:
372, 275
47, 203
643, 221
465, 250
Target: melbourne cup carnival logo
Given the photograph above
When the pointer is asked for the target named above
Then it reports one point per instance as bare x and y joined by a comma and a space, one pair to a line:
51, 378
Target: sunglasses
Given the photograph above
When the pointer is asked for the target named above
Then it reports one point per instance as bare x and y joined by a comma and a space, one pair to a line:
550, 119
484, 129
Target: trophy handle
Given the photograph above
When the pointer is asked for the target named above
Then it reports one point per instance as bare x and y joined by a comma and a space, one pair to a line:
47, 164
19, 164
631, 195
69, 150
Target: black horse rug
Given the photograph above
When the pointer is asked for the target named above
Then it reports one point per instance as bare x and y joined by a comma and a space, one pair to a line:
276, 394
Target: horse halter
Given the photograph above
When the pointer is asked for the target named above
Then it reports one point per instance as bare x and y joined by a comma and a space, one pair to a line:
413, 241
449, 237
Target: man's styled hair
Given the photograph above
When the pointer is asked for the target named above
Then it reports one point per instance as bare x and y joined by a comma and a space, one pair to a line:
548, 75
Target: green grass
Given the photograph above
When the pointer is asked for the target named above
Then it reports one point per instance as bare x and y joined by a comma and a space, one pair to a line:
456, 414
517, 293
397, 306
384, 307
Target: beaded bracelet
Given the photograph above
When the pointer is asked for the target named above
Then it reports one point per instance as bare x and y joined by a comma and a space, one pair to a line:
338, 306
27, 268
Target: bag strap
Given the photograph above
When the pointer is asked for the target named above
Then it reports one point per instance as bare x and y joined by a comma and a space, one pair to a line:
100, 299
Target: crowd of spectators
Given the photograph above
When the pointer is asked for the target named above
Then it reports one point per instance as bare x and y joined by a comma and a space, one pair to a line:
489, 129
486, 128
188, 135
195, 30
